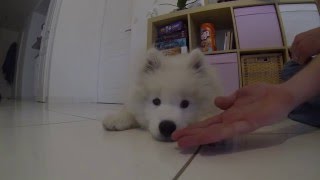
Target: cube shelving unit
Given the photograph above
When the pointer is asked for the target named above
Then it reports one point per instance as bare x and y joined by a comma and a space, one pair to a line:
260, 27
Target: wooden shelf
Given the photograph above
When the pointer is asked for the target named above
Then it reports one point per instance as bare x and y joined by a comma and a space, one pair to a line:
241, 3
152, 27
222, 52
218, 13
222, 21
282, 50
232, 4
222, 15
262, 50
288, 53
295, 1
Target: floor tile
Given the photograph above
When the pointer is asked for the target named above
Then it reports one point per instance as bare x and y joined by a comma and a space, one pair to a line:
67, 141
84, 150
86, 110
31, 114
259, 157
286, 126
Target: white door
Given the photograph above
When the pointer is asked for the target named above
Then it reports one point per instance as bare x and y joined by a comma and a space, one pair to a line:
43, 62
115, 52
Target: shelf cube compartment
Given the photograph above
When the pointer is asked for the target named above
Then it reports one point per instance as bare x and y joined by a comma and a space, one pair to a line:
226, 66
258, 27
298, 18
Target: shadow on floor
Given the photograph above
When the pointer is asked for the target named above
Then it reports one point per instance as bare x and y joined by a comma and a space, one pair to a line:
255, 141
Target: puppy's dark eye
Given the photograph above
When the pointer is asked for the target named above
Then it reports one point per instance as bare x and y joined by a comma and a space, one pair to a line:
156, 101
184, 104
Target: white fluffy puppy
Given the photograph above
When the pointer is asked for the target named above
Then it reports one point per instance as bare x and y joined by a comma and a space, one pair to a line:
171, 92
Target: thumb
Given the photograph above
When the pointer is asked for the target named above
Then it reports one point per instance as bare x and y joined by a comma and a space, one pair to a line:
225, 102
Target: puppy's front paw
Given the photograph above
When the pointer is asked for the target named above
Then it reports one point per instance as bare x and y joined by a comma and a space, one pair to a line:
119, 122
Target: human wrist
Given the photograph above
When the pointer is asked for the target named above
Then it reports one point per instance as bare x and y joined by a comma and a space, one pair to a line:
292, 98
317, 41
304, 85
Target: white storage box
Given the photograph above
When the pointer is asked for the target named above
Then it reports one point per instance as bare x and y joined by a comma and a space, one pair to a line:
298, 18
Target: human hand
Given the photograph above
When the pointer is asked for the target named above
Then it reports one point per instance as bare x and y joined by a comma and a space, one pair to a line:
305, 45
248, 109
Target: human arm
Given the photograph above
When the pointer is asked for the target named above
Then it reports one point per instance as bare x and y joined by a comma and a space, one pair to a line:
306, 45
252, 107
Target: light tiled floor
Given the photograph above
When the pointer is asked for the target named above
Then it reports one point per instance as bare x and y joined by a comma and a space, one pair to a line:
67, 141
292, 157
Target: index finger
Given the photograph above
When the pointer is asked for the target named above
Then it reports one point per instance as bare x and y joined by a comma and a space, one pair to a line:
212, 120
196, 126
215, 133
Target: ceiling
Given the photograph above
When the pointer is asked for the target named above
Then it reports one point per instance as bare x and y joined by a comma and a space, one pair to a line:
13, 13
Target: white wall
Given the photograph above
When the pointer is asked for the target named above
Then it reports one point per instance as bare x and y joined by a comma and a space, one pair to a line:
7, 37
115, 52
139, 29
74, 64
75, 57
26, 64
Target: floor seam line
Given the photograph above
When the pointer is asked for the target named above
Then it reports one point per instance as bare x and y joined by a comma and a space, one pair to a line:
186, 165
46, 124
74, 115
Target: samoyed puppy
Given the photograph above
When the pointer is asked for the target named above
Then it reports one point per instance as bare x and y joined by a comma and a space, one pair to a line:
171, 92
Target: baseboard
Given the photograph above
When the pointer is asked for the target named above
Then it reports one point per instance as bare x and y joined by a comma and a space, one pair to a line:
59, 99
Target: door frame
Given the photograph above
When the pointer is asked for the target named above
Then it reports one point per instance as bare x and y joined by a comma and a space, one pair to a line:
54, 10
126, 28
53, 13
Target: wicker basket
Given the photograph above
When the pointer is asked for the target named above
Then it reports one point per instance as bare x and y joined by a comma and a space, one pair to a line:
261, 68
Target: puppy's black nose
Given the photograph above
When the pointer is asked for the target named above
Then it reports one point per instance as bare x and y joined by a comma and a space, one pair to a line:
167, 127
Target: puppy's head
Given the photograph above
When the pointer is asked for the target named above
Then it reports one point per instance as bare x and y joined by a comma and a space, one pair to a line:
177, 90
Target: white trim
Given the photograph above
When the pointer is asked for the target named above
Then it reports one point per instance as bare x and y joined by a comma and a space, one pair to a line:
68, 99
100, 49
297, 7
45, 68
17, 84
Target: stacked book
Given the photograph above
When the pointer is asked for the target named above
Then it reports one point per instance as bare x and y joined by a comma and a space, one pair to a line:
228, 40
172, 38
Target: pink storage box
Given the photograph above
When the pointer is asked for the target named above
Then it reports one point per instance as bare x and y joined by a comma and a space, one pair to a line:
258, 27
227, 69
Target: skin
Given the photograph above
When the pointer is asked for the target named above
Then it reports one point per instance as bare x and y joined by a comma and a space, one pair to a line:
246, 110
255, 106
305, 45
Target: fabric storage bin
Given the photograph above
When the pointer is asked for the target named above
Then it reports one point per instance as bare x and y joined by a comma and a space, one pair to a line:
227, 68
261, 68
258, 27
298, 18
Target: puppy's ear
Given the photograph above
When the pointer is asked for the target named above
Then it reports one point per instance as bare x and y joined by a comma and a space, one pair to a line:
196, 60
153, 61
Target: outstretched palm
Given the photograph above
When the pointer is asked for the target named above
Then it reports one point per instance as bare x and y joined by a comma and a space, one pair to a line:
245, 111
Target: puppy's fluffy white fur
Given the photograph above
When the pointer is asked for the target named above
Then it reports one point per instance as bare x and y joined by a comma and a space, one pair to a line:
170, 80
